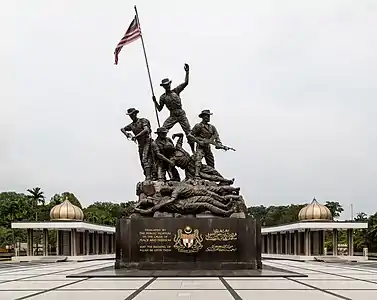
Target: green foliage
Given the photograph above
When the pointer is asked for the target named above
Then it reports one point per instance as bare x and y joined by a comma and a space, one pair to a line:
335, 208
275, 215
106, 213
32, 206
57, 199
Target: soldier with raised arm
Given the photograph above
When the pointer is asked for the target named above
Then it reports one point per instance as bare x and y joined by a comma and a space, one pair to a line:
172, 100
141, 128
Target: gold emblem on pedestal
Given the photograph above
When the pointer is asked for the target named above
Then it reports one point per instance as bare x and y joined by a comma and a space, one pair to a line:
188, 240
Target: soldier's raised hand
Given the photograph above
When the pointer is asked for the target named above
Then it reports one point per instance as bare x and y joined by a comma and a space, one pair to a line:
186, 67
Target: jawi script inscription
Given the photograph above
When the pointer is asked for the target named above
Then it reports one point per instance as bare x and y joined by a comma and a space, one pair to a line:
155, 240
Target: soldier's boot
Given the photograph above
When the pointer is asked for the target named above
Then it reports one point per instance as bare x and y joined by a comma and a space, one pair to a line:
148, 173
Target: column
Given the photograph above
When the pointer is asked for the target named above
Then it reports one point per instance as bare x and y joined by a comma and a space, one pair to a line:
263, 244
307, 242
290, 243
295, 233
45, 242
280, 243
29, 243
350, 241
73, 242
113, 240
335, 242
87, 242
57, 243
286, 243
93, 243
96, 234
299, 243
277, 243
102, 243
268, 243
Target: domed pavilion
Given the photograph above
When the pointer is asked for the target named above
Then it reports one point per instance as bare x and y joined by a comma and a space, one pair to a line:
75, 238
305, 239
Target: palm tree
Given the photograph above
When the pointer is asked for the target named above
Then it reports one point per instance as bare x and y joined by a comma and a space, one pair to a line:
37, 196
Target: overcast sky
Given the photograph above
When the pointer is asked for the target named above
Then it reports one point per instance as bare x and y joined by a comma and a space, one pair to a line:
292, 85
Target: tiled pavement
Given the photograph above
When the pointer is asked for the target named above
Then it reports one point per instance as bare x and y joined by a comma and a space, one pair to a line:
325, 281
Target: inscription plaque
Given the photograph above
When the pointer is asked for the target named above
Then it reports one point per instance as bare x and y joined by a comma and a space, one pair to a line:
187, 243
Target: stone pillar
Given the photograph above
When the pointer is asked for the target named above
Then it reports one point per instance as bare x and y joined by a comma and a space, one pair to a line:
29, 243
307, 242
87, 244
268, 243
286, 243
45, 242
290, 243
93, 243
281, 243
295, 239
350, 241
96, 234
277, 243
73, 242
57, 243
104, 243
113, 242
263, 244
102, 237
335, 242
299, 239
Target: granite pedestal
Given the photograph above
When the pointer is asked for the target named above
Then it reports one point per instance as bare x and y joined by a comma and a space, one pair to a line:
188, 244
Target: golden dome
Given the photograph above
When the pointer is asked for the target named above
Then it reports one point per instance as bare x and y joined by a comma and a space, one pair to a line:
66, 211
315, 212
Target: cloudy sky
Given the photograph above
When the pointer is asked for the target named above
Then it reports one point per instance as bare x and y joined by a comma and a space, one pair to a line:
292, 85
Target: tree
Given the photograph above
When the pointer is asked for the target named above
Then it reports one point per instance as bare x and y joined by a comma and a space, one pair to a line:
58, 199
335, 208
37, 196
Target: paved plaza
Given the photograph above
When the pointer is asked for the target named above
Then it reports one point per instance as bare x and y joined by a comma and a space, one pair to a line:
325, 281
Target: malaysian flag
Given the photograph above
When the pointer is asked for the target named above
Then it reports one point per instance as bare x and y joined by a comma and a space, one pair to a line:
132, 34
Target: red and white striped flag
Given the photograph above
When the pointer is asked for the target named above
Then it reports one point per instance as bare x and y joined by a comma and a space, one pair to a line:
132, 34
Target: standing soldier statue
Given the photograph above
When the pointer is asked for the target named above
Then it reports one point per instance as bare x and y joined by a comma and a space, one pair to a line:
163, 149
141, 128
205, 135
171, 98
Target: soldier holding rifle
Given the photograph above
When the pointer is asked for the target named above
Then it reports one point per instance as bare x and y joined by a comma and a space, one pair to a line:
205, 135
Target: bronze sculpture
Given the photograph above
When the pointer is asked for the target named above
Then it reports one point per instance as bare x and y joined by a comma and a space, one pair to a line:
172, 100
163, 149
203, 189
141, 128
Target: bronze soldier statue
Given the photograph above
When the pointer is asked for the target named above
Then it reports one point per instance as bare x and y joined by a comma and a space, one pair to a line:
205, 135
171, 98
163, 149
141, 128
186, 162
184, 190
191, 205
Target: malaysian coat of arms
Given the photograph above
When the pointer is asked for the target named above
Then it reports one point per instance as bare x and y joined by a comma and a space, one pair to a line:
188, 240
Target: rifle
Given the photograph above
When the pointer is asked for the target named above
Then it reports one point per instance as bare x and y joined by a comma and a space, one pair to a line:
212, 142
127, 134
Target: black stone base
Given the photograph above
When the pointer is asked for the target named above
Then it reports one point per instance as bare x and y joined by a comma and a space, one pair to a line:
110, 272
188, 244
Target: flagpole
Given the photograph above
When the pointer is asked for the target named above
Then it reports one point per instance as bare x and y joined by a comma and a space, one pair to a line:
146, 62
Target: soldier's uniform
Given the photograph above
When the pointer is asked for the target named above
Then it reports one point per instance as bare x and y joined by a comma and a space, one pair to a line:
164, 147
173, 102
144, 144
208, 132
